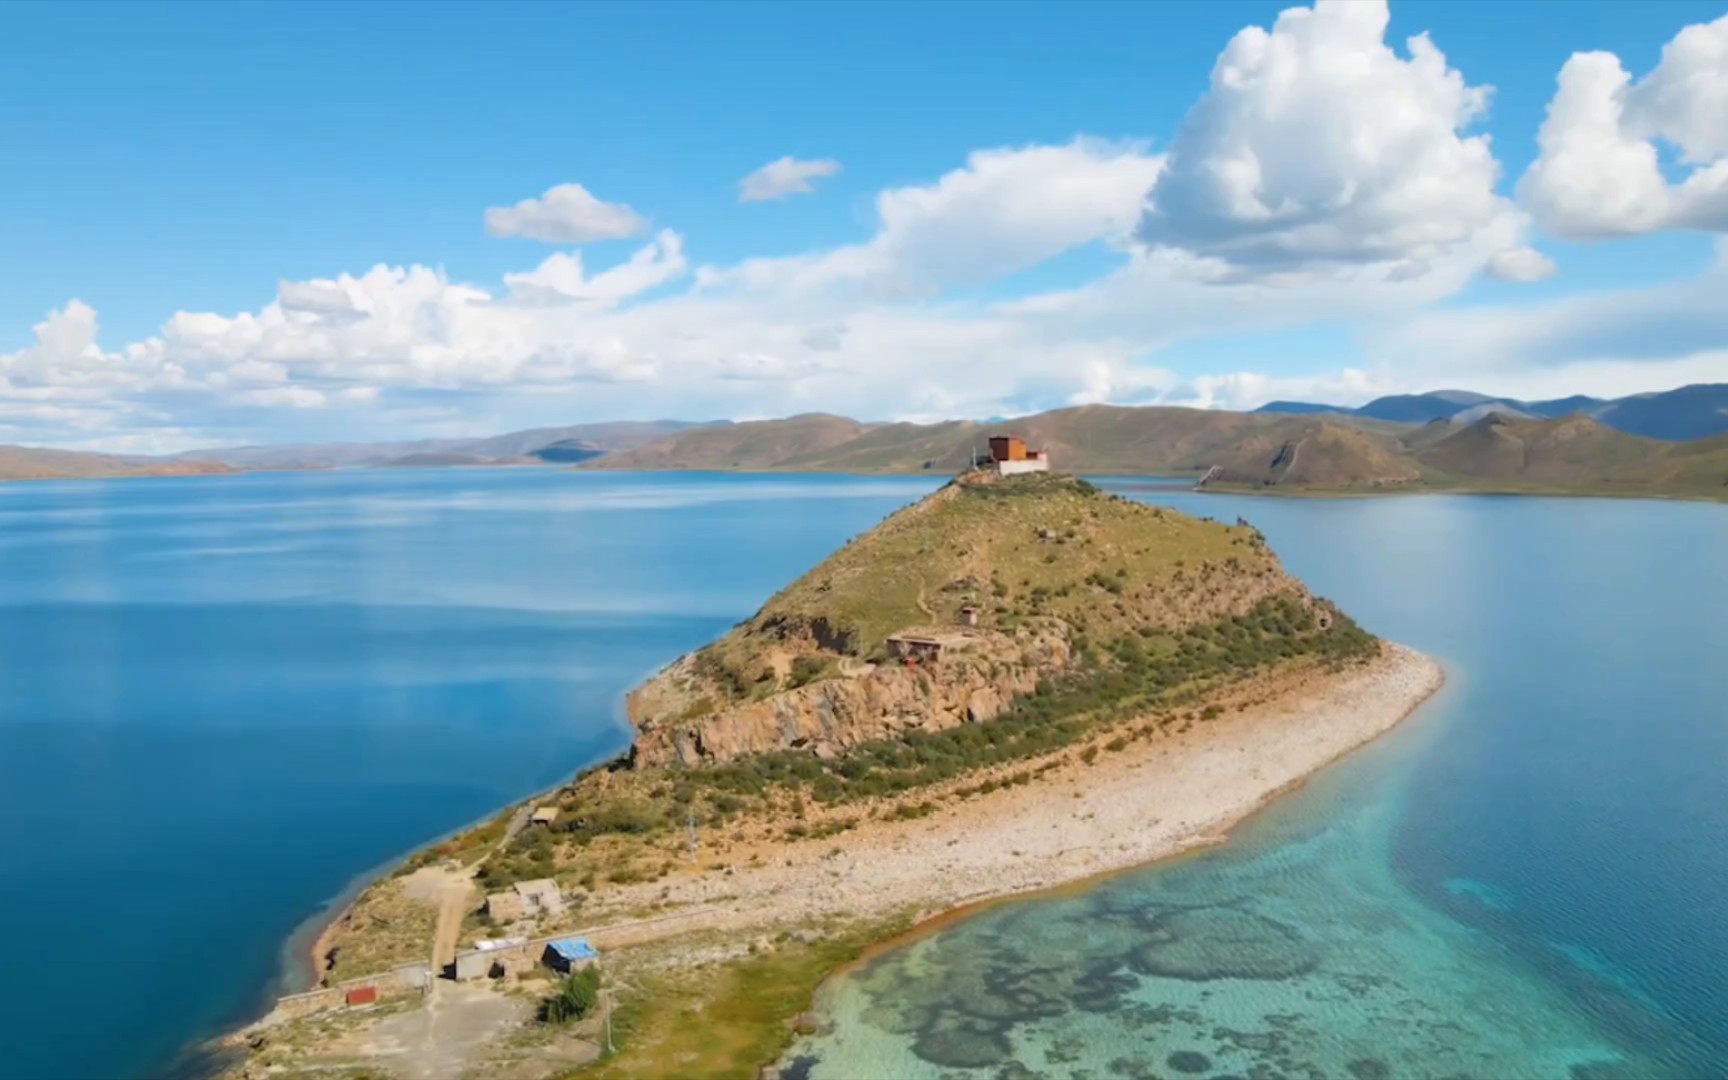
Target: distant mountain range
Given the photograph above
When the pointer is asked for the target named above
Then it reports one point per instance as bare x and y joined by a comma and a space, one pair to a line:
36, 463
1312, 452
536, 446
1448, 440
562, 445
1691, 412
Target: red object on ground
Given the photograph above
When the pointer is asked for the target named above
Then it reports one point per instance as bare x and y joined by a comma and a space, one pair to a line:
363, 995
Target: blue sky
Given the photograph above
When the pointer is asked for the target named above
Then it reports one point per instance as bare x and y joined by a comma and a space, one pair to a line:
191, 158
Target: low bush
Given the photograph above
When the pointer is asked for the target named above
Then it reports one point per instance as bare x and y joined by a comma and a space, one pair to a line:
806, 669
577, 996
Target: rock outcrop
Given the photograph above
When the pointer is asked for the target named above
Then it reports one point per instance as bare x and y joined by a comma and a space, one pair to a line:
977, 678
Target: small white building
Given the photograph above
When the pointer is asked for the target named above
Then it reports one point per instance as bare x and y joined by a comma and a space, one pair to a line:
485, 958
505, 907
525, 900
541, 896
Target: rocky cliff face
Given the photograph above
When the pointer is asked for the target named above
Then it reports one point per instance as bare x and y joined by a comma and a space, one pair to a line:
978, 676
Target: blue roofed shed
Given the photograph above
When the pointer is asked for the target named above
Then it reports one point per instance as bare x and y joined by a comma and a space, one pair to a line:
569, 954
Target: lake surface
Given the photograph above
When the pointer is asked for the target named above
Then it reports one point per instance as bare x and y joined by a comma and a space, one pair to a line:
1527, 879
222, 699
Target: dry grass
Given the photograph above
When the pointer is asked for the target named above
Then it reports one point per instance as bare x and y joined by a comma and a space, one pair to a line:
1026, 550
383, 929
728, 1018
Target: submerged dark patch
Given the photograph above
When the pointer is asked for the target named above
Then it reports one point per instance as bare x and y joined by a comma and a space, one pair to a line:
1222, 943
1189, 1061
1369, 1069
799, 1067
1100, 989
962, 1043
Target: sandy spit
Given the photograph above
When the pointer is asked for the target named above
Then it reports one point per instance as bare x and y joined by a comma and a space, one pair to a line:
1156, 799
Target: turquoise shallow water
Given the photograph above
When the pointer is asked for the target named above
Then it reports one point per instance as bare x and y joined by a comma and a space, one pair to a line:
1525, 880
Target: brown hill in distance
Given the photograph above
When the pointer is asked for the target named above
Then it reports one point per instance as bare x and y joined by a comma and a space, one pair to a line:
1087, 438
512, 448
1571, 450
749, 445
1316, 453
1327, 455
35, 463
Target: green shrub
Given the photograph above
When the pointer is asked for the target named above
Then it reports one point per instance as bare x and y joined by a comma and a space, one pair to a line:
806, 669
576, 997
627, 816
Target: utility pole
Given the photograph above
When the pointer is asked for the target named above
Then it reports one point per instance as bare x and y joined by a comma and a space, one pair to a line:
691, 824
606, 1008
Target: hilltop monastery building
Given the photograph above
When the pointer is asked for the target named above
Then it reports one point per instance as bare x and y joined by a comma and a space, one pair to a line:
1009, 456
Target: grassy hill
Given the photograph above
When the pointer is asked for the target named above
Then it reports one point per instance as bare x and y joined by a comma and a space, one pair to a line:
1039, 546
1496, 453
1061, 577
1571, 451
1322, 455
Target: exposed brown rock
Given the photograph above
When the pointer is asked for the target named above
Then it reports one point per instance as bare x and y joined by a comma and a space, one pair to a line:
875, 701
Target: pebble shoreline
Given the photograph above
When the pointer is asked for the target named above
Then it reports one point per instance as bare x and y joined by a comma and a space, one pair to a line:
1148, 802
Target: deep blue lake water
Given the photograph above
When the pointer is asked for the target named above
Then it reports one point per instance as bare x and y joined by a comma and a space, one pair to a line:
221, 699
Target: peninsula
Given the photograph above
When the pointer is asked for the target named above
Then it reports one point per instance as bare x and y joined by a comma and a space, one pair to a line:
1016, 683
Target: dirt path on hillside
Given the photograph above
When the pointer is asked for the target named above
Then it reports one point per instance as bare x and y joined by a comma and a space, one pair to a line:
452, 905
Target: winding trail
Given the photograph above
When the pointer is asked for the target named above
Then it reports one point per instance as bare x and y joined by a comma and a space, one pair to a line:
452, 905
455, 900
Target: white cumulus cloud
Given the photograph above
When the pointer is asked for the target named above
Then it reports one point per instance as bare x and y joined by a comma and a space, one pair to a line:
785, 177
560, 277
1607, 342
566, 214
1520, 264
1318, 145
1324, 181
1599, 172
1005, 210
286, 397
